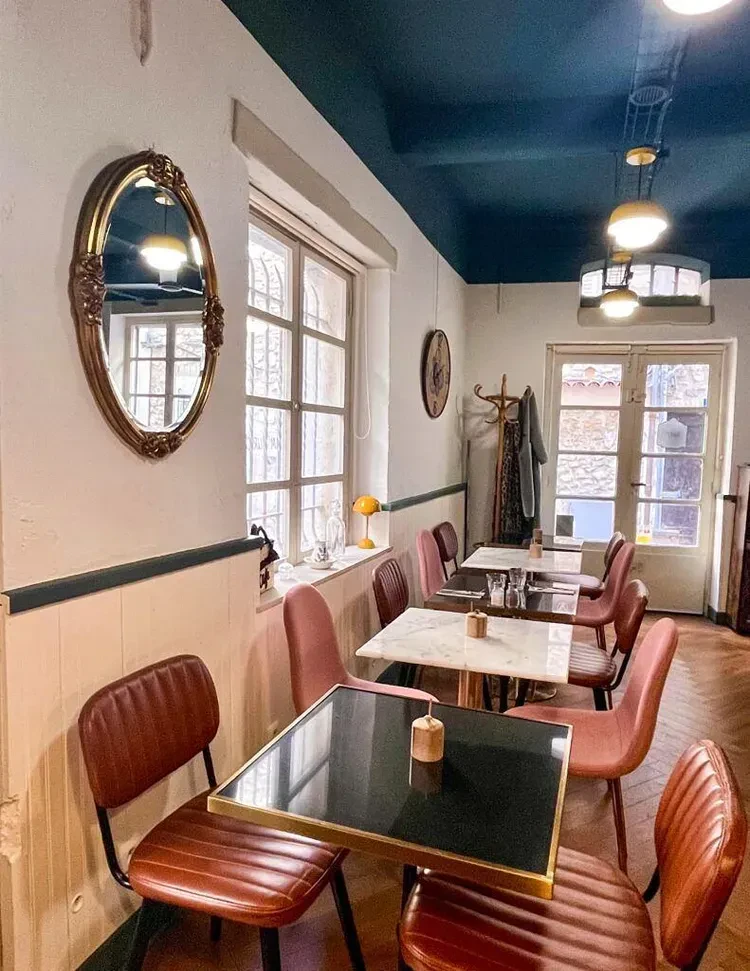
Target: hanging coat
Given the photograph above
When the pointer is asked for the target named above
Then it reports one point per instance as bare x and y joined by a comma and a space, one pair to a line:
531, 456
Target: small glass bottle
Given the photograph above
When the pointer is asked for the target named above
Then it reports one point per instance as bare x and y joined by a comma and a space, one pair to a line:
336, 532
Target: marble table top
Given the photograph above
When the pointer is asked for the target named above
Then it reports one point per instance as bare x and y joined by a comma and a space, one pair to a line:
501, 558
516, 648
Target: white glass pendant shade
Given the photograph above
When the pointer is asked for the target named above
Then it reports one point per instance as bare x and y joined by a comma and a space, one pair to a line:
619, 304
164, 252
693, 8
634, 225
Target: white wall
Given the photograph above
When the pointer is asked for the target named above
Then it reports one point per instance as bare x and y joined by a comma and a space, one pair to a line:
75, 97
509, 328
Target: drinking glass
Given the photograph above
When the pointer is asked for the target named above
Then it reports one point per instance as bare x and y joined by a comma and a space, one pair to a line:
516, 595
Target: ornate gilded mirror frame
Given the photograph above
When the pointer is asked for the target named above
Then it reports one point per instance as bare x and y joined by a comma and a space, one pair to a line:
87, 292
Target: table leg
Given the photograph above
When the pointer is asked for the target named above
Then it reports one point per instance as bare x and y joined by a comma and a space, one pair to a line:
469, 689
522, 689
504, 692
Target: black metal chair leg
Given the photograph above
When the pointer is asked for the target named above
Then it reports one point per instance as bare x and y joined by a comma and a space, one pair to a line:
522, 689
600, 699
487, 693
344, 908
215, 929
269, 948
146, 926
504, 681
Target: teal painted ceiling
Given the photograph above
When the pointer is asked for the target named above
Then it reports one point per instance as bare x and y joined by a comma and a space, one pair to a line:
496, 123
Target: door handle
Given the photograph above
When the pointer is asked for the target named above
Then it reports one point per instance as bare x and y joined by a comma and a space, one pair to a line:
636, 484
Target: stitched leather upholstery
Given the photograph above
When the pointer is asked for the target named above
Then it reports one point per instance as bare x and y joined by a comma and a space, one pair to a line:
610, 744
613, 548
220, 866
599, 612
596, 921
431, 574
700, 833
141, 728
314, 656
447, 541
590, 666
590, 586
391, 590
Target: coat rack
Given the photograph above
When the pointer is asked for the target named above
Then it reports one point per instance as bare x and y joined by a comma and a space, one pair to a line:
501, 402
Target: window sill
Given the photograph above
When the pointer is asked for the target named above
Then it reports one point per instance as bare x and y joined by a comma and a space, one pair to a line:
354, 558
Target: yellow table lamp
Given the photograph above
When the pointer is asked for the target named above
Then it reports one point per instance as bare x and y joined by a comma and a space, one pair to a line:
367, 506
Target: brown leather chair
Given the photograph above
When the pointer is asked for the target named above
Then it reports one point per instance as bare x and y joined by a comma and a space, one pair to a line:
447, 541
591, 667
600, 612
137, 731
591, 586
391, 590
597, 920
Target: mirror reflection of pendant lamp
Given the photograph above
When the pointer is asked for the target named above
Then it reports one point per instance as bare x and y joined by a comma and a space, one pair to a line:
161, 250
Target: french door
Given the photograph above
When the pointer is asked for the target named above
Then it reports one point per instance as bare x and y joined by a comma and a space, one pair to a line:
633, 434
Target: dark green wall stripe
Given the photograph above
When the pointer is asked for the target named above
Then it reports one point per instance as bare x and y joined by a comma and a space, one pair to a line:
68, 588
397, 504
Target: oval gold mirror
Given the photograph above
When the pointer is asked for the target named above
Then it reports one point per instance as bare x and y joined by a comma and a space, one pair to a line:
145, 302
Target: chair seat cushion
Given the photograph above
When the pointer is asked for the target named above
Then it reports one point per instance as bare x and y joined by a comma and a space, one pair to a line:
246, 873
590, 586
596, 921
590, 666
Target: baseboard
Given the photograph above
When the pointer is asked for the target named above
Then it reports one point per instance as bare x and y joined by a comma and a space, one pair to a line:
720, 617
113, 954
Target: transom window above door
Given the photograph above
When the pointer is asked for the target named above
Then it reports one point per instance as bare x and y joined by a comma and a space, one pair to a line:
297, 387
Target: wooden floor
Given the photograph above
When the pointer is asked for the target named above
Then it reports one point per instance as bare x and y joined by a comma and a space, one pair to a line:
707, 696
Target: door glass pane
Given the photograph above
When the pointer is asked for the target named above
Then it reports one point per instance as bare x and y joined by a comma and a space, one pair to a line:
592, 519
270, 274
662, 524
267, 444
148, 377
640, 279
270, 510
673, 432
671, 478
149, 341
268, 372
188, 342
677, 385
589, 431
325, 300
322, 444
316, 509
586, 475
186, 373
591, 384
323, 379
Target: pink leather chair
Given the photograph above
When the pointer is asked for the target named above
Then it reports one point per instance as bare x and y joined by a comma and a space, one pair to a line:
314, 657
600, 612
591, 586
611, 744
431, 576
596, 918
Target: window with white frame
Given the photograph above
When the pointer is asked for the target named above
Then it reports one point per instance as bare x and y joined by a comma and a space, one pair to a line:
297, 387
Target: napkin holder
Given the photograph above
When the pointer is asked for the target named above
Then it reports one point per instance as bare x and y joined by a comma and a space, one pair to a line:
476, 624
535, 551
427, 738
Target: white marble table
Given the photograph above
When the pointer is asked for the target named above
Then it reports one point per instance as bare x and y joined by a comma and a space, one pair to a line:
526, 649
500, 558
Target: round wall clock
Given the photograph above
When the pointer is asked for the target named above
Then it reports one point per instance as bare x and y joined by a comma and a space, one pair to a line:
436, 373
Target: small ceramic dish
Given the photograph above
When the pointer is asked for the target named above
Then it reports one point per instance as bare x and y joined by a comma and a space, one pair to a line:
318, 564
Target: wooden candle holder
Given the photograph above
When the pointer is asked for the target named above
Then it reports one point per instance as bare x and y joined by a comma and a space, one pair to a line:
535, 551
476, 624
427, 738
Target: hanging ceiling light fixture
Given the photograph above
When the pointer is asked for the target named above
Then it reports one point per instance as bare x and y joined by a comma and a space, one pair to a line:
639, 223
693, 8
619, 303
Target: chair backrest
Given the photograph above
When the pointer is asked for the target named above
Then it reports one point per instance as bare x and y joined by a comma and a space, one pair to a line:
613, 548
629, 614
314, 658
141, 728
638, 710
447, 541
391, 590
618, 577
431, 574
700, 834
